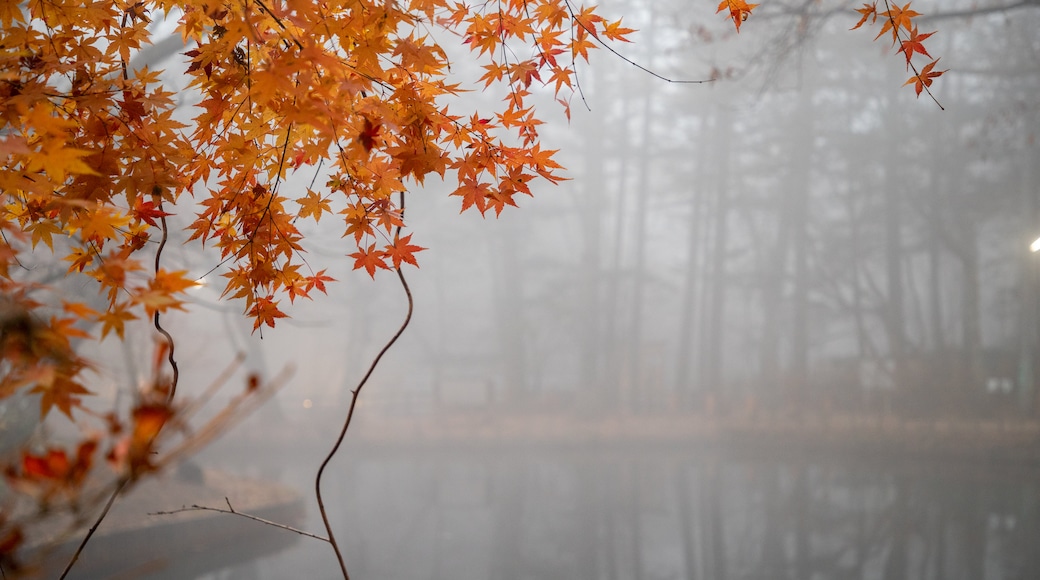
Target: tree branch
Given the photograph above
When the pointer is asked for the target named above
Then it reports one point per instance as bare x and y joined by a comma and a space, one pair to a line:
117, 489
353, 405
972, 12
231, 510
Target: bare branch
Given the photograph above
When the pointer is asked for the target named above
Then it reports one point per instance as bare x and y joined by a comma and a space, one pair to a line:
116, 491
231, 510
981, 11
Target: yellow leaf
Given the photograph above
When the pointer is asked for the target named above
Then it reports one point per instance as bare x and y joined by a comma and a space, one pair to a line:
42, 231
57, 161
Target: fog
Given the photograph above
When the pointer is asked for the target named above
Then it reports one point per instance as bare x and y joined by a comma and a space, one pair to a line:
785, 324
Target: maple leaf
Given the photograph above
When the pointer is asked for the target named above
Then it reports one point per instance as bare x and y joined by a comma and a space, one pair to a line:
265, 311
318, 281
80, 259
739, 10
313, 205
161, 293
402, 251
173, 282
896, 18
59, 391
419, 162
11, 12
913, 44
525, 72
78, 309
369, 134
115, 319
587, 19
925, 78
57, 161
371, 260
99, 223
148, 212
43, 231
614, 31
148, 422
132, 105
869, 10
473, 194
580, 47
554, 14
542, 161
52, 465
358, 220
296, 288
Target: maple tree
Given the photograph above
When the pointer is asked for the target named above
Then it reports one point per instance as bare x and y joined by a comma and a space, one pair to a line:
357, 95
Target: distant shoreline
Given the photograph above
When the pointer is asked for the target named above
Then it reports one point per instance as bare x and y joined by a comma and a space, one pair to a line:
1007, 440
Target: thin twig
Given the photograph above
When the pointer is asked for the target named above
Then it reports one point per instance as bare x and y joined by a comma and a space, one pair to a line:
231, 510
118, 489
155, 319
597, 40
350, 411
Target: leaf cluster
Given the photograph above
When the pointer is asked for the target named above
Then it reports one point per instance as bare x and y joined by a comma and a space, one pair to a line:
94, 157
899, 23
96, 160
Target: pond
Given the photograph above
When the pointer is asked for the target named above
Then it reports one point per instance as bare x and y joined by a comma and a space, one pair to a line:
652, 513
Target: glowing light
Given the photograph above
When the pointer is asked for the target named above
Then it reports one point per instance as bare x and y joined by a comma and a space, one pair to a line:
307, 404
1035, 246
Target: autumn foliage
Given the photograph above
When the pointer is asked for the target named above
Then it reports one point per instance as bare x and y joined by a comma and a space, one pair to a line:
96, 158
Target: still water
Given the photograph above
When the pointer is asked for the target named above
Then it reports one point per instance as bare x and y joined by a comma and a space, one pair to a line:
652, 513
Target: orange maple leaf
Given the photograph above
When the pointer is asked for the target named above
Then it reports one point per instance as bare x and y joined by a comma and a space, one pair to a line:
925, 78
313, 205
615, 31
868, 11
402, 251
265, 311
739, 10
149, 420
371, 260
318, 281
115, 320
61, 392
896, 18
473, 194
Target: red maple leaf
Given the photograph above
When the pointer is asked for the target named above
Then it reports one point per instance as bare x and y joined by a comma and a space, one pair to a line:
913, 44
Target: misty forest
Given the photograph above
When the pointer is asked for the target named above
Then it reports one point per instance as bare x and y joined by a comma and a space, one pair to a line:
771, 311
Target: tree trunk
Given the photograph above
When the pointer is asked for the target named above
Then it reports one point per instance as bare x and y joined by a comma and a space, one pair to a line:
714, 336
644, 158
894, 309
799, 183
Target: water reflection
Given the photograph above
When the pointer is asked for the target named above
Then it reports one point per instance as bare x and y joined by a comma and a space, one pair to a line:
655, 514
